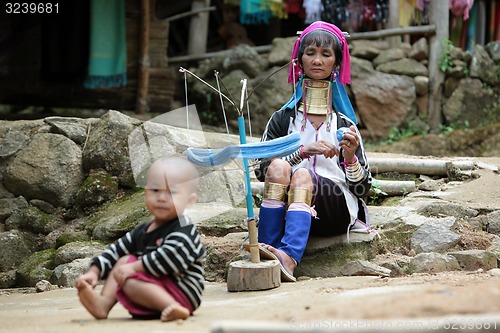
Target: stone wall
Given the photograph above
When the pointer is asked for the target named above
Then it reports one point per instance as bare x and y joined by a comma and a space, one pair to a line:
389, 85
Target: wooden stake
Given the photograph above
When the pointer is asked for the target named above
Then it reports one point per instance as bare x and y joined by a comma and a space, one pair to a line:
144, 63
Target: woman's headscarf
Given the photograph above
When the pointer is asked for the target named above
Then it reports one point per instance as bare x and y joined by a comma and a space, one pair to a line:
340, 99
345, 68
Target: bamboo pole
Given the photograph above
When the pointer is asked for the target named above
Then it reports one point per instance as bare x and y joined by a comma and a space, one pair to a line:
425, 29
144, 62
198, 28
439, 15
394, 21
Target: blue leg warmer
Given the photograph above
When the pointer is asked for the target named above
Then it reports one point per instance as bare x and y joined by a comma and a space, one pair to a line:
271, 225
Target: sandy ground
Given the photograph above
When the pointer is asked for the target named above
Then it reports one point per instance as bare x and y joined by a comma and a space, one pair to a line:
352, 304
466, 301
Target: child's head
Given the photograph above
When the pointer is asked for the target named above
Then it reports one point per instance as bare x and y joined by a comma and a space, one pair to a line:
170, 187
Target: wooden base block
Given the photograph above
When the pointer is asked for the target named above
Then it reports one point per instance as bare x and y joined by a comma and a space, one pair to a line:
244, 275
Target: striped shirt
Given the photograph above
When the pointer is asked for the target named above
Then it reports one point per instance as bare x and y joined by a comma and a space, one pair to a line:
172, 249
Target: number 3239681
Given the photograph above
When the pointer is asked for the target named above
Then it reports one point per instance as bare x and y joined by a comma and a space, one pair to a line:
31, 8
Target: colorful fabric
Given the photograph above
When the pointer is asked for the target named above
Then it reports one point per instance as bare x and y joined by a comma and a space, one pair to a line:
108, 48
345, 69
254, 12
165, 282
277, 8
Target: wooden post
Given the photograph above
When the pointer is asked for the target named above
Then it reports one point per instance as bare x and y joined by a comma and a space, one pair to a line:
439, 16
394, 21
144, 63
198, 28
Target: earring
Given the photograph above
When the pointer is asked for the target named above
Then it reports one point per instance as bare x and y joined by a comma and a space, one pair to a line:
334, 75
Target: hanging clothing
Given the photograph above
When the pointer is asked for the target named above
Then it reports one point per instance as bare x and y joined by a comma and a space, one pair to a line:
254, 12
313, 10
108, 48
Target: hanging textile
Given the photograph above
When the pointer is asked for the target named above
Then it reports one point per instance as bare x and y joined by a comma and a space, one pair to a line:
108, 49
496, 14
313, 11
277, 8
254, 12
293, 6
406, 11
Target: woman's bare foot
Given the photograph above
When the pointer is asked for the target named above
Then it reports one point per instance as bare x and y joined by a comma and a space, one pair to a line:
173, 312
91, 301
287, 261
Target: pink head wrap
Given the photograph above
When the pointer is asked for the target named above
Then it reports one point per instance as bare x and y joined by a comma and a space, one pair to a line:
345, 68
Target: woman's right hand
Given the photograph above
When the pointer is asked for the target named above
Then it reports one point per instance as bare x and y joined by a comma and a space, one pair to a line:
321, 147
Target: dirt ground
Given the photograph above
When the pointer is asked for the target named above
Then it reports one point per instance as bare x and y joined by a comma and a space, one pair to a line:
461, 301
420, 302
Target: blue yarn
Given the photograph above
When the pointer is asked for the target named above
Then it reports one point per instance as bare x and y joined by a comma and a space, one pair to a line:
340, 99
279, 147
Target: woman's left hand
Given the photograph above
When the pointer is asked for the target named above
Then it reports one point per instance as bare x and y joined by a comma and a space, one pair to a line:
349, 145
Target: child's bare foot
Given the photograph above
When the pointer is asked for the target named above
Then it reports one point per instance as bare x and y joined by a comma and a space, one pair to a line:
173, 312
90, 300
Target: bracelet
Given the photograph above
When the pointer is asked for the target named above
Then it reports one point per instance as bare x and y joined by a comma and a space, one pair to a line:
353, 163
294, 158
302, 154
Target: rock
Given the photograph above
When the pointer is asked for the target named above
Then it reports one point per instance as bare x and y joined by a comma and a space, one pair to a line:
404, 66
493, 49
433, 263
447, 209
431, 185
389, 55
494, 272
450, 84
36, 267
482, 66
33, 220
419, 50
365, 52
363, 267
492, 222
65, 274
10, 205
472, 260
43, 206
280, 51
43, 285
98, 188
49, 168
8, 279
77, 250
245, 58
384, 101
13, 250
421, 85
71, 127
271, 95
222, 222
469, 103
107, 146
12, 143
117, 218
434, 236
